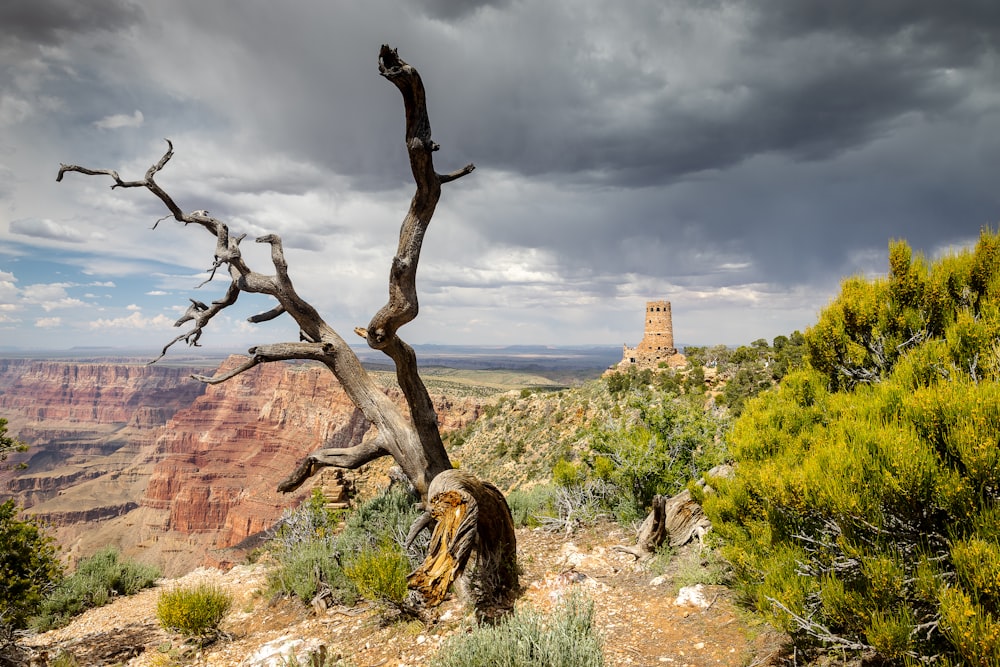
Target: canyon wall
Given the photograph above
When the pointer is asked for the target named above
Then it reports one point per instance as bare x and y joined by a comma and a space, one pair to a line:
82, 420
173, 472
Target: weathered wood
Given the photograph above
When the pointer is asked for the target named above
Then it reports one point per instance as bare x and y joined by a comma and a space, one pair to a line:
411, 437
472, 518
456, 515
676, 520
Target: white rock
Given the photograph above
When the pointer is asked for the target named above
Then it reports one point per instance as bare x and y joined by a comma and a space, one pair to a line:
693, 596
278, 652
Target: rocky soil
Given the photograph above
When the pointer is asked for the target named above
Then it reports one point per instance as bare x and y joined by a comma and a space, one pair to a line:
644, 616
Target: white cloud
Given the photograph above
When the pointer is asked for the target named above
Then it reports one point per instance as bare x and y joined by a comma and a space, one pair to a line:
120, 120
133, 321
46, 229
48, 322
8, 290
50, 296
133, 307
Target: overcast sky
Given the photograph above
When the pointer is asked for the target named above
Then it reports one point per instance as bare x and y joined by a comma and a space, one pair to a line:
738, 159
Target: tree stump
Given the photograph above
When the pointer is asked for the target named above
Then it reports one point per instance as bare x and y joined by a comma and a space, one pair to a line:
471, 517
676, 520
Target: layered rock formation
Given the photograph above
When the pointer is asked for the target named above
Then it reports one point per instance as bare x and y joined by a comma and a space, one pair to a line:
185, 491
82, 420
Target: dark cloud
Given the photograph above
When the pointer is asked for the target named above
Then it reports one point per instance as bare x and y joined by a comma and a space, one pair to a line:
46, 21
799, 94
450, 10
956, 33
707, 150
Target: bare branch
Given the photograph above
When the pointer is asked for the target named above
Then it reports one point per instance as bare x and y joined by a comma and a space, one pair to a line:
277, 311
147, 182
274, 352
457, 174
402, 306
277, 256
347, 457
242, 368
193, 312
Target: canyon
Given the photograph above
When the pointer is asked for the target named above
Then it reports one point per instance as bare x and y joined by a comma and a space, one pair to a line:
172, 471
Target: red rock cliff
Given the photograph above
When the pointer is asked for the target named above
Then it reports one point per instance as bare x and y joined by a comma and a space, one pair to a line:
185, 492
82, 419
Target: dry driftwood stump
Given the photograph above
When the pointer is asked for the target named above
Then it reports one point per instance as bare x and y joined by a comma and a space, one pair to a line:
674, 521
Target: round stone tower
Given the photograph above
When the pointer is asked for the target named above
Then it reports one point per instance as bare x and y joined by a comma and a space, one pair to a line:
657, 346
659, 335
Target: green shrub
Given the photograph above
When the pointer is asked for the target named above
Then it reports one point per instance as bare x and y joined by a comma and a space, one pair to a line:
863, 514
660, 445
380, 574
385, 518
308, 569
96, 580
564, 637
7, 443
527, 506
64, 659
195, 611
565, 473
311, 557
29, 568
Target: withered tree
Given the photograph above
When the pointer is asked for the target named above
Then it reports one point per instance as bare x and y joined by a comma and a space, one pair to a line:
470, 517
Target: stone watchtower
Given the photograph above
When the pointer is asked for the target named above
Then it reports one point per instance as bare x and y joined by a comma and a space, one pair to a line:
657, 344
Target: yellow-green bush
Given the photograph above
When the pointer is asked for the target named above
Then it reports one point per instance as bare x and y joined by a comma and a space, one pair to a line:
380, 573
864, 512
194, 611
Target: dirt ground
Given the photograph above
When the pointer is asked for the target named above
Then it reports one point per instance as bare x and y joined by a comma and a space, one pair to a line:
638, 614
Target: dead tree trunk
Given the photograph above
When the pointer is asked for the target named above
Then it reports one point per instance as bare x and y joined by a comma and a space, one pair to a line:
676, 520
484, 527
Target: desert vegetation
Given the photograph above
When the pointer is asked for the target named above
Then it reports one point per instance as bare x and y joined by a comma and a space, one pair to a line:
863, 516
194, 611
564, 638
94, 583
29, 565
324, 563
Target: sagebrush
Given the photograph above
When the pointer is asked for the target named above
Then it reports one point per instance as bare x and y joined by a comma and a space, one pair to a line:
97, 580
314, 559
563, 637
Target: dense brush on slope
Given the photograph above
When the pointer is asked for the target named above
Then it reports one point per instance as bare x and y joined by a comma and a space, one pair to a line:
645, 438
865, 513
519, 438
